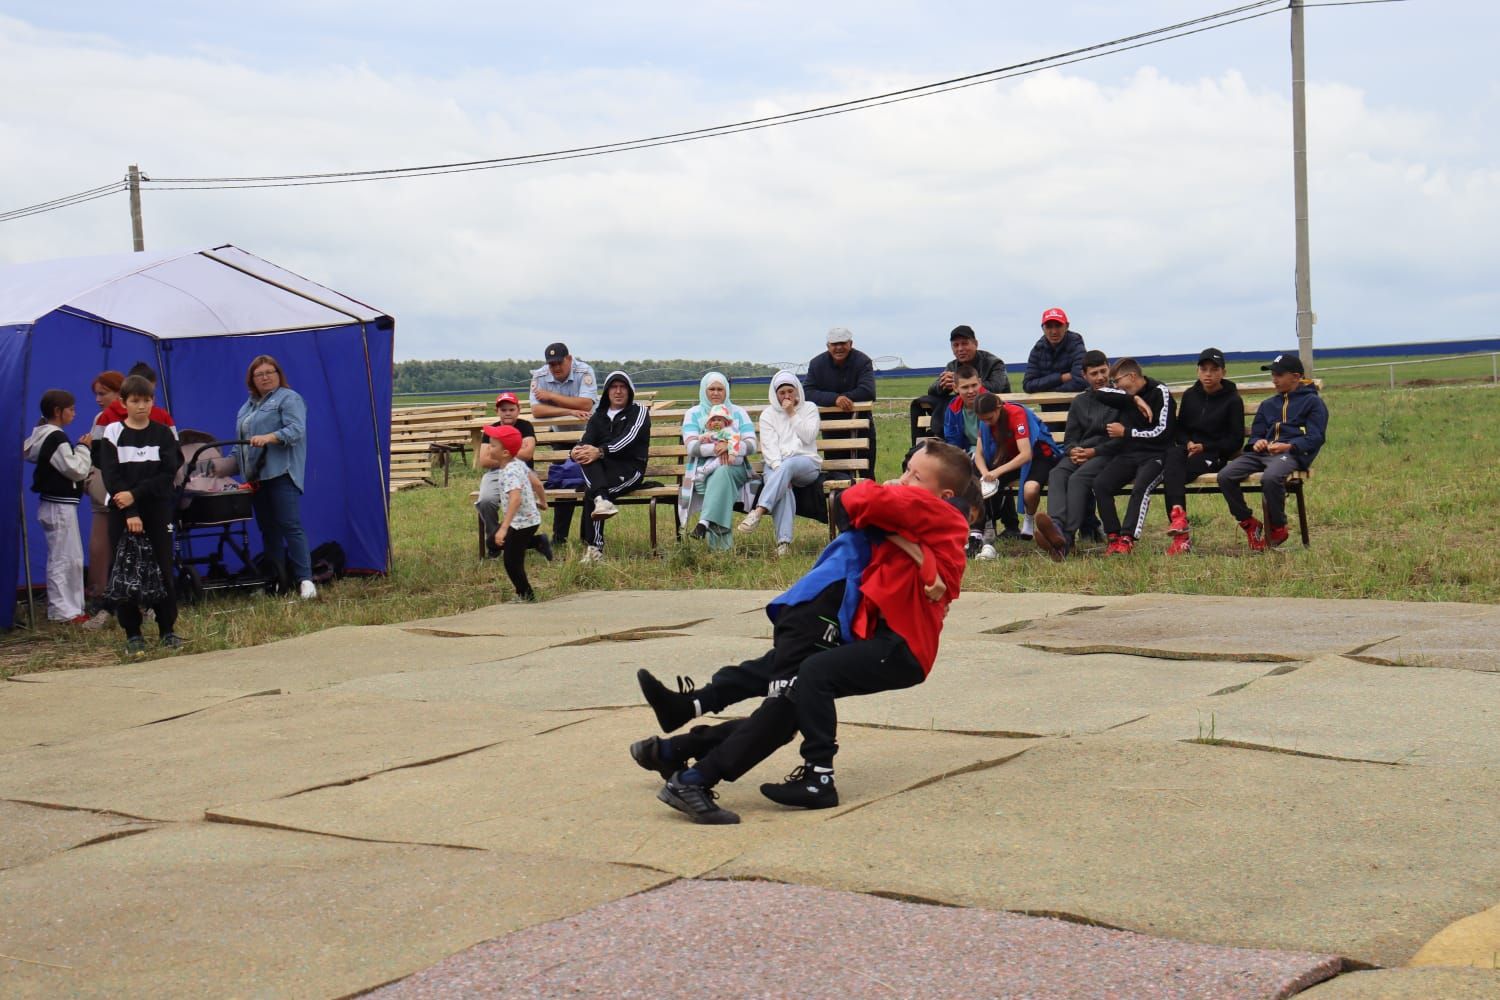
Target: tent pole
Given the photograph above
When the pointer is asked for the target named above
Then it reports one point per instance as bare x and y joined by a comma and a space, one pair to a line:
385, 487
285, 288
26, 559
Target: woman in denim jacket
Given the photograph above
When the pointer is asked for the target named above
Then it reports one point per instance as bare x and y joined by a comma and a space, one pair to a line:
274, 421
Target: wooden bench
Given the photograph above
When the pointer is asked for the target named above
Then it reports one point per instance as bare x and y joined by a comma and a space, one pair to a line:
422, 435
666, 462
1052, 408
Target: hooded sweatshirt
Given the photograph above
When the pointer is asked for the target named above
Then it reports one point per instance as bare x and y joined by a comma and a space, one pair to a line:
624, 435
1148, 436
1299, 418
1217, 421
61, 467
1048, 361
782, 436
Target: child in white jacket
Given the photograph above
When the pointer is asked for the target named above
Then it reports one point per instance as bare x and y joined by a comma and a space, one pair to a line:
61, 468
789, 445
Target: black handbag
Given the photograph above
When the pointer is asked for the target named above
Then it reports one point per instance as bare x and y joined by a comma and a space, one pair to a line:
135, 577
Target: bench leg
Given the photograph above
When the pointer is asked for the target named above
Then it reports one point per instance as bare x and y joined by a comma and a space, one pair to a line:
482, 547
1302, 515
652, 506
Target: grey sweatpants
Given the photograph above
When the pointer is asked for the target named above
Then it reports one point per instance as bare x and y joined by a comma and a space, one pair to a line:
1273, 471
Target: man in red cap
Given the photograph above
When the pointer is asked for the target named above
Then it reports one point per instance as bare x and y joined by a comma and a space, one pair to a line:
1056, 361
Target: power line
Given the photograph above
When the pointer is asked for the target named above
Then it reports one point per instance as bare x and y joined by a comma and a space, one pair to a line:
66, 201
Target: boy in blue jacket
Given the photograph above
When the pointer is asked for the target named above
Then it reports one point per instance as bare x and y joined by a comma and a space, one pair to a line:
1289, 429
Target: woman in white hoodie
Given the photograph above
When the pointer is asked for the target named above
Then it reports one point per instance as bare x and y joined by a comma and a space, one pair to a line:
789, 444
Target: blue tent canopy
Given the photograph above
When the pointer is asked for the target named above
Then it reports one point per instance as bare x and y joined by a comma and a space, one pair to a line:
198, 317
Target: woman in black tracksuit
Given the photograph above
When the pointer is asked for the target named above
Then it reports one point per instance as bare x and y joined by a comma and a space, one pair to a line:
616, 441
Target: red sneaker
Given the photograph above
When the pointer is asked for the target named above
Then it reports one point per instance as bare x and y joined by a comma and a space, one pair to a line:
1277, 535
1254, 534
1178, 522
1181, 545
78, 619
1119, 545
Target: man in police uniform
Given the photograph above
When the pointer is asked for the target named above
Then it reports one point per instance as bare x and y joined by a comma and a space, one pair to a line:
563, 387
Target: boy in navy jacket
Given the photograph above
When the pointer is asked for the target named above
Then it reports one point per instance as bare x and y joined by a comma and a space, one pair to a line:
1287, 434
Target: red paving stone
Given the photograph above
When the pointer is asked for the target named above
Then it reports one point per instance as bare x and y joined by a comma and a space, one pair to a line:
760, 939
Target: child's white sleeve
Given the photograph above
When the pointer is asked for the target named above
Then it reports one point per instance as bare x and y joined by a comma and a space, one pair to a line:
72, 461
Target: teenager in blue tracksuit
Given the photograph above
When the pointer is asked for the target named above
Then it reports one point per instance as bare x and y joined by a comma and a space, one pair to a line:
1288, 431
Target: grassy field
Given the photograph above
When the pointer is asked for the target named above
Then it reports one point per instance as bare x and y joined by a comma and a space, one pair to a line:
1432, 369
1402, 507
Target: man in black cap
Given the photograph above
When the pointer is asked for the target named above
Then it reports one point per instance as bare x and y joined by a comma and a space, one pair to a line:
563, 387
965, 347
1289, 429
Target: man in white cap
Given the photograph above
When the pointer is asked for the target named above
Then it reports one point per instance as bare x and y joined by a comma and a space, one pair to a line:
842, 376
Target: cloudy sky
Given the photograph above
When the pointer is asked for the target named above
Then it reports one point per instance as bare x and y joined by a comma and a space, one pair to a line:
1147, 192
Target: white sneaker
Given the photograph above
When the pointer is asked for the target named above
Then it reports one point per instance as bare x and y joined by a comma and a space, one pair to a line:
751, 520
308, 590
98, 620
591, 554
1028, 526
783, 549
987, 553
603, 509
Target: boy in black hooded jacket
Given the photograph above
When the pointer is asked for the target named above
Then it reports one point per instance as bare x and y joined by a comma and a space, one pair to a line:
616, 441
1210, 432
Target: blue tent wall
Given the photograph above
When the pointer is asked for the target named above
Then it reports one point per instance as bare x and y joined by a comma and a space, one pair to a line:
344, 374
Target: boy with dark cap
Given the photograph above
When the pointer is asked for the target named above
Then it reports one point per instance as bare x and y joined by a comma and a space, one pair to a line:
965, 346
1210, 433
1289, 430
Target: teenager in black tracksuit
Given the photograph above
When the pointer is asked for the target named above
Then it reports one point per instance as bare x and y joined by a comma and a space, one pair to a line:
1146, 432
616, 442
143, 463
1210, 432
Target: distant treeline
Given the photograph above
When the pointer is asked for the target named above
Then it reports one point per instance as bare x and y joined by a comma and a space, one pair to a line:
461, 376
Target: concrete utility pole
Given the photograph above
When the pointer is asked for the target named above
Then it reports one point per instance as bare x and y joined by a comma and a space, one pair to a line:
1305, 317
135, 208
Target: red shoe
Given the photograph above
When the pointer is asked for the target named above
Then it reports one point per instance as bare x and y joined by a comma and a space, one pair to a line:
1179, 522
1181, 545
1277, 535
1254, 534
1119, 545
78, 619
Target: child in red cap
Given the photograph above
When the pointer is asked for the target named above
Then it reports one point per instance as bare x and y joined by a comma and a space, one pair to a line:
519, 523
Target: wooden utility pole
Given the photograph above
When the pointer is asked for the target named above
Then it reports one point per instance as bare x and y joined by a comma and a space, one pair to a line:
135, 208
1305, 317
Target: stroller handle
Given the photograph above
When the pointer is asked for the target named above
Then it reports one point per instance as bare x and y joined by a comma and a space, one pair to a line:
207, 445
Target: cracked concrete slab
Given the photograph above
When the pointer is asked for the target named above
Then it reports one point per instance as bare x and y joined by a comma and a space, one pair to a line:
979, 613
1279, 629
580, 615
1468, 644
255, 748
1409, 984
30, 833
1342, 708
982, 685
572, 677
46, 714
209, 910
305, 663
576, 793
1203, 843
796, 941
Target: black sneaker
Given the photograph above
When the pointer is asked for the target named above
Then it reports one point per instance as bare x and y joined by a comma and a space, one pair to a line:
696, 802
647, 753
542, 545
172, 641
700, 532
672, 708
976, 542
805, 789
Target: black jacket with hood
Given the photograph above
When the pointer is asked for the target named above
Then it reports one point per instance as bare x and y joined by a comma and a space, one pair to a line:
624, 437
1216, 422
1144, 435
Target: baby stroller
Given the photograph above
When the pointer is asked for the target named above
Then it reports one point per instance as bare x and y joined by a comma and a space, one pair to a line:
212, 521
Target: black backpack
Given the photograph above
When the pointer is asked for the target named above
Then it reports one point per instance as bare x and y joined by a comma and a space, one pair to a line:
327, 562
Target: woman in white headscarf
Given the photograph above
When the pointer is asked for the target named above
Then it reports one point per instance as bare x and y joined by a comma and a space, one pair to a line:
789, 445
712, 495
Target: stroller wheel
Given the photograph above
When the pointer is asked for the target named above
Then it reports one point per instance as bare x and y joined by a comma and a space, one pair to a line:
189, 586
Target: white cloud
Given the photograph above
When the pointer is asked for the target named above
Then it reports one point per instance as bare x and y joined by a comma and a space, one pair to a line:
1157, 211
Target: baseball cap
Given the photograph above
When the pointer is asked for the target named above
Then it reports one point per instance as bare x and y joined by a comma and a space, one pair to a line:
962, 333
506, 435
1212, 356
1287, 361
840, 335
556, 352
1054, 315
506, 397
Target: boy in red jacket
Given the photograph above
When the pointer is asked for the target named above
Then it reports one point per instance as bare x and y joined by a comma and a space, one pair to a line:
895, 626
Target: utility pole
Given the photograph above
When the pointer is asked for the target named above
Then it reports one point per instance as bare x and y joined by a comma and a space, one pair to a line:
134, 178
1305, 316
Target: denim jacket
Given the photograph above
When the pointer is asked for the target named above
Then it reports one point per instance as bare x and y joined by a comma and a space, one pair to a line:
283, 413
